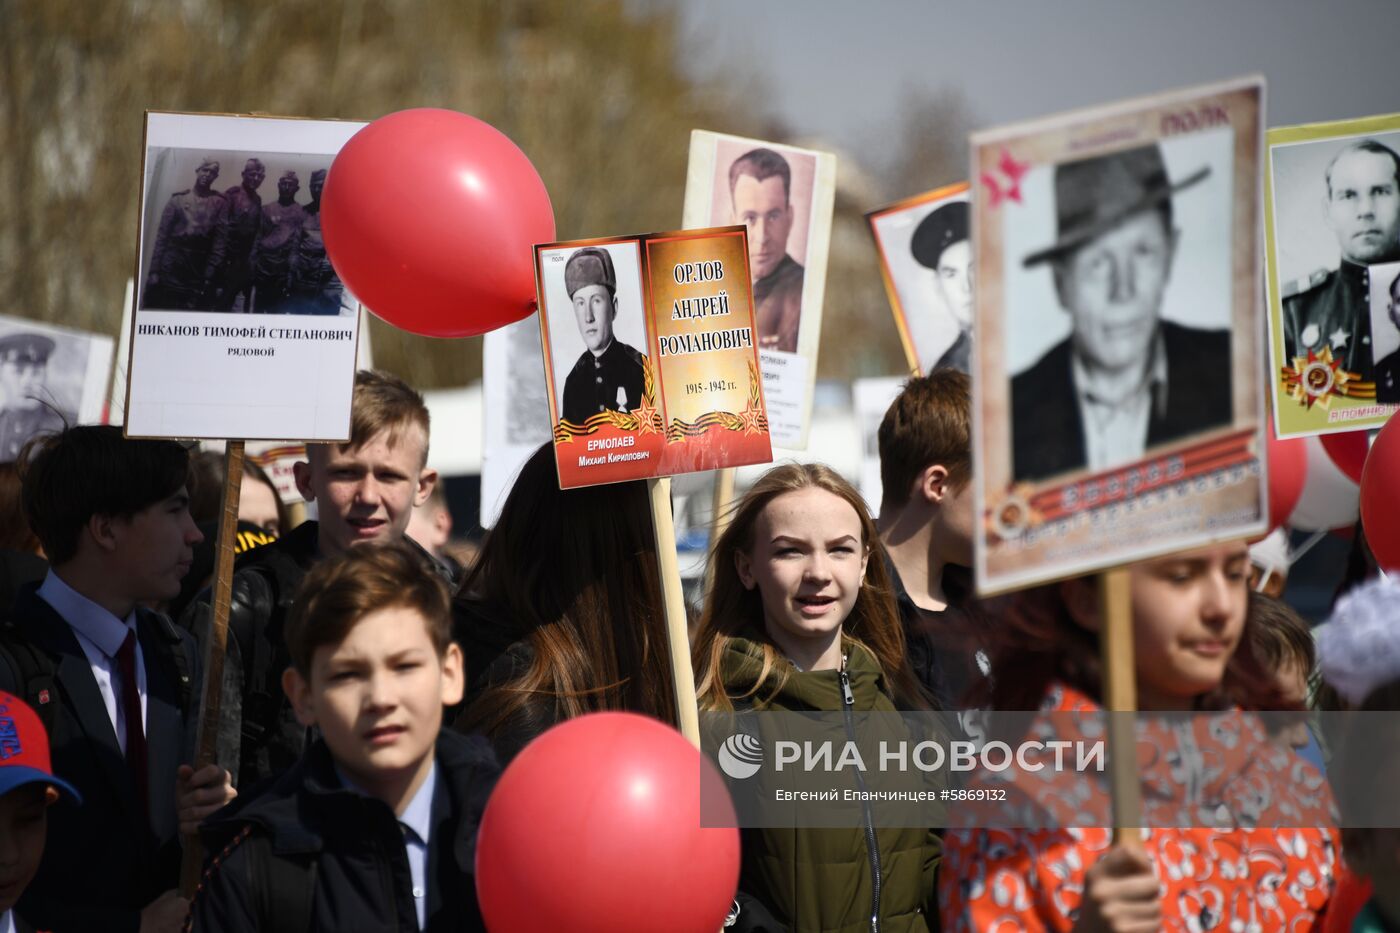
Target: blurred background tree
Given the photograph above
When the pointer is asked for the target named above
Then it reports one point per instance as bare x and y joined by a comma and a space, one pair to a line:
596, 94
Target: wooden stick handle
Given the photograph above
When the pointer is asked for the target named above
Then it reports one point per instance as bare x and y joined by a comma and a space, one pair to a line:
724, 498
677, 631
207, 736
1120, 696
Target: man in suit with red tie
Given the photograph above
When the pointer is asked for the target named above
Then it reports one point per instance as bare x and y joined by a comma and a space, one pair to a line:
117, 683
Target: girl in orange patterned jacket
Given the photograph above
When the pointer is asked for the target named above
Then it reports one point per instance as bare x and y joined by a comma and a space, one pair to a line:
1244, 875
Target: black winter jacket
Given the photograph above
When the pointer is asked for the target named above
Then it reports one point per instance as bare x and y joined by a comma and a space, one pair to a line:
362, 882
259, 736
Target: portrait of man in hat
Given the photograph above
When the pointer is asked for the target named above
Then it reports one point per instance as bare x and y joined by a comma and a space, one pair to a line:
1330, 307
24, 363
1126, 379
941, 245
760, 194
191, 245
609, 375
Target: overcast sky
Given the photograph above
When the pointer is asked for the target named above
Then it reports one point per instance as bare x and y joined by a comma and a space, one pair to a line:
836, 67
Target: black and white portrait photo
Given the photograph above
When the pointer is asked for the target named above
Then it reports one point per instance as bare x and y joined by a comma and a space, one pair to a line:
597, 328
1118, 302
1385, 329
50, 378
233, 284
926, 250
237, 231
1336, 216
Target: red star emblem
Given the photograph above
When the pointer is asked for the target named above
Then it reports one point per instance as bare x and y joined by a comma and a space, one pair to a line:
646, 418
752, 418
998, 191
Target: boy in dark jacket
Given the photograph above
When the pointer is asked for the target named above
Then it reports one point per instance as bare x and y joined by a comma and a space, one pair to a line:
117, 684
374, 829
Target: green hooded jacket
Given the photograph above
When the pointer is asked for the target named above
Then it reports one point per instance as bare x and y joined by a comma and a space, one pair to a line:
823, 880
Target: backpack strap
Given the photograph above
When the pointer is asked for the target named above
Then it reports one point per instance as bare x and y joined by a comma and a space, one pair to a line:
283, 887
171, 649
34, 672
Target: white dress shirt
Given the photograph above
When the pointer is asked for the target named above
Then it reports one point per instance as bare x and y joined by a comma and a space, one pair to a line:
7, 922
1115, 430
100, 634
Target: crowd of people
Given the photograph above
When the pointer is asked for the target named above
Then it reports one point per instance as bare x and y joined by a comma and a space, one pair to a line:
372, 693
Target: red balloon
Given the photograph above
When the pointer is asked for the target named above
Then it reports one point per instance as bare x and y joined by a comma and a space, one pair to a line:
1348, 451
595, 827
1380, 497
429, 217
1288, 473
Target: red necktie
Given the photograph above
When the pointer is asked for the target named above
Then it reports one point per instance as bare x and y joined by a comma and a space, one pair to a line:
135, 724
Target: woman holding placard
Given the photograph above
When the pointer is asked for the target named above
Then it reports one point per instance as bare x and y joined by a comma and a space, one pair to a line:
562, 615
1191, 654
799, 617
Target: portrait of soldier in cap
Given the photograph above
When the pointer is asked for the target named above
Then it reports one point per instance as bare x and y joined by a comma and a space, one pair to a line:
191, 244
24, 363
609, 375
244, 221
312, 283
1125, 380
1330, 308
941, 245
760, 193
270, 263
1388, 369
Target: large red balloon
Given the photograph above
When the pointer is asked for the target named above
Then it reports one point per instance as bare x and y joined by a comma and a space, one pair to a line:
595, 827
1348, 451
1380, 497
429, 217
1288, 472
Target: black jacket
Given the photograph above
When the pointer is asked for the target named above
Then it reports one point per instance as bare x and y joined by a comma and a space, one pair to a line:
105, 860
1048, 432
593, 384
362, 880
259, 736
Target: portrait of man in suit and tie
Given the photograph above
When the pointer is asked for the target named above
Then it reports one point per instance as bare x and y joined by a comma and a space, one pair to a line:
1126, 379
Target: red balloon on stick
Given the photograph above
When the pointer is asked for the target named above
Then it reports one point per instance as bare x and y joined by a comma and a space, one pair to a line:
429, 217
1380, 497
1288, 473
595, 828
1348, 451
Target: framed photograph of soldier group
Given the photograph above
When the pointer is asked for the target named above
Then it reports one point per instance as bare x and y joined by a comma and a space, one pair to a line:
1117, 411
242, 329
650, 355
784, 197
50, 378
1332, 224
925, 251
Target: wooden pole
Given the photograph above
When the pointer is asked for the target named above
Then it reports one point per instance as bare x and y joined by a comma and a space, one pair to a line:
206, 739
677, 631
724, 497
1120, 696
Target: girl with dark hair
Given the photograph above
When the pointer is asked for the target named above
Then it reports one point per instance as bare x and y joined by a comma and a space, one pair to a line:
562, 613
799, 617
1191, 652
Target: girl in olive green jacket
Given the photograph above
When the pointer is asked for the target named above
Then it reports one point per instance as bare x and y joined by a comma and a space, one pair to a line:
799, 617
